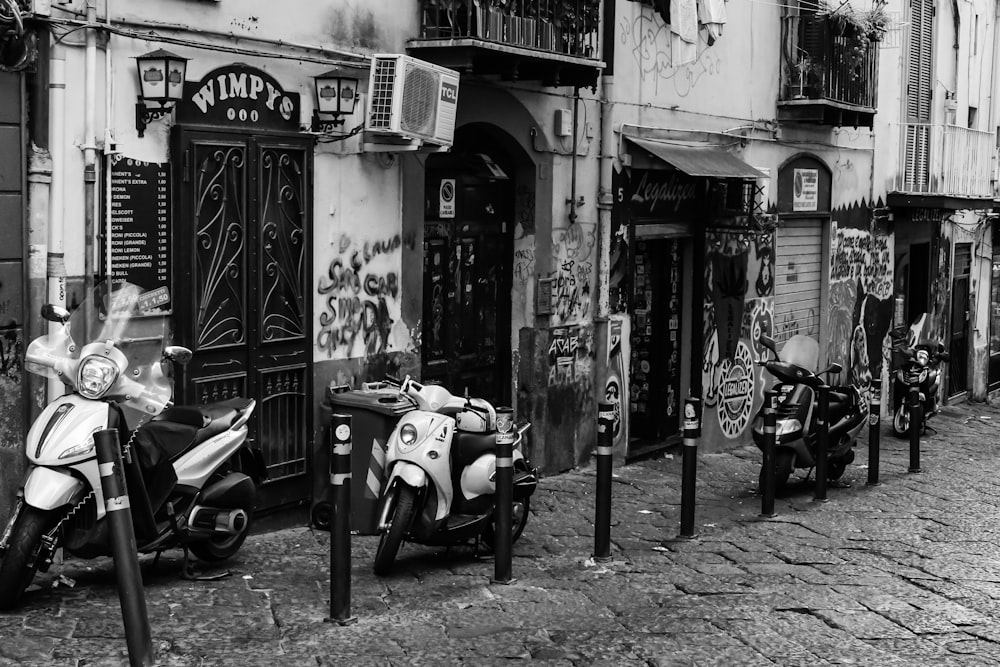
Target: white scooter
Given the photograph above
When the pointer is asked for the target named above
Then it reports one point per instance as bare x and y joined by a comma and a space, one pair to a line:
441, 466
191, 479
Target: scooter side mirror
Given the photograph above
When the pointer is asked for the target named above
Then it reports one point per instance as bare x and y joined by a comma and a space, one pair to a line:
834, 368
944, 356
768, 342
178, 354
55, 313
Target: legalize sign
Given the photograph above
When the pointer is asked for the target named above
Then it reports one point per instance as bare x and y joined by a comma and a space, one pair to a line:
239, 96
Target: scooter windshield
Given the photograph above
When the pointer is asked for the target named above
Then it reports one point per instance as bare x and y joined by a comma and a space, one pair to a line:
803, 351
120, 315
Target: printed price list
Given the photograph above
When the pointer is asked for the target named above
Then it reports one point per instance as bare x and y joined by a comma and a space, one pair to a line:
140, 223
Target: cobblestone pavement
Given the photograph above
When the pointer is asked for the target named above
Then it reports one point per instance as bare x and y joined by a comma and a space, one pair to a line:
906, 573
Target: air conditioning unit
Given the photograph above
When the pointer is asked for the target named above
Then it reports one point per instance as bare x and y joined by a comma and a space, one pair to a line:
411, 99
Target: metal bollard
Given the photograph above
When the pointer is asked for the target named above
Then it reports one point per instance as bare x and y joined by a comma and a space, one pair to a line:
340, 519
916, 422
131, 595
602, 512
822, 442
767, 466
503, 519
874, 413
689, 469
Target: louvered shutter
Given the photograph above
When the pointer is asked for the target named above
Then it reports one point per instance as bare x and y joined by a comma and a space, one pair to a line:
798, 279
918, 95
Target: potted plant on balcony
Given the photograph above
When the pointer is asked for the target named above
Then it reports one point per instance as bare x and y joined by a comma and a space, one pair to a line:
575, 20
801, 85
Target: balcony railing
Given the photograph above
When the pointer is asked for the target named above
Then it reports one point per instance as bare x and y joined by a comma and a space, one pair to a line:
569, 27
823, 63
949, 160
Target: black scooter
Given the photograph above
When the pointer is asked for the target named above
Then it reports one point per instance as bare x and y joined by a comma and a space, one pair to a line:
797, 410
920, 368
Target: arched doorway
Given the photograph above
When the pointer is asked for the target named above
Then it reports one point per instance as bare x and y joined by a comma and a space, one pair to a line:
469, 217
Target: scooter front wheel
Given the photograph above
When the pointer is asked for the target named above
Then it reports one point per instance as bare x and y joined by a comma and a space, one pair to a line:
21, 561
901, 421
400, 518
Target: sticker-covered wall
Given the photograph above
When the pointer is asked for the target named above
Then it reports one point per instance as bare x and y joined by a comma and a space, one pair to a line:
738, 307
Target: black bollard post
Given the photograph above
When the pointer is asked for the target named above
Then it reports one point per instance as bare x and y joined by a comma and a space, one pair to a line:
874, 413
502, 512
602, 512
822, 442
916, 422
689, 469
131, 595
767, 466
340, 519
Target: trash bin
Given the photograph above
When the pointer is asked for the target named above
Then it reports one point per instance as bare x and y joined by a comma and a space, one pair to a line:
374, 414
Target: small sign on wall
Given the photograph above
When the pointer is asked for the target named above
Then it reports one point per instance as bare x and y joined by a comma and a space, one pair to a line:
805, 190
446, 198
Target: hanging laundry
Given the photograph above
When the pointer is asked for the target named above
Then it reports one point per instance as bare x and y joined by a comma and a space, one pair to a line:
712, 15
684, 20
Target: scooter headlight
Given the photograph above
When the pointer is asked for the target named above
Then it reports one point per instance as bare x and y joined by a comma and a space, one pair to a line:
786, 426
408, 434
96, 376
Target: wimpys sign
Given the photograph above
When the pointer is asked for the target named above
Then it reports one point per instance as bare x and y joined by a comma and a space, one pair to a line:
239, 96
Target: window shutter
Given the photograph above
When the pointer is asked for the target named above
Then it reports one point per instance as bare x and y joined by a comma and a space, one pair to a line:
918, 95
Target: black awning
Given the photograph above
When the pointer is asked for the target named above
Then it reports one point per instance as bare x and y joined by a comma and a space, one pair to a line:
708, 161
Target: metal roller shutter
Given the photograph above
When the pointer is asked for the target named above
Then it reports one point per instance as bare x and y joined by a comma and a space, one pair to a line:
798, 279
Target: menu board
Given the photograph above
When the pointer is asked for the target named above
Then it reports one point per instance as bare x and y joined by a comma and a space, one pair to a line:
139, 242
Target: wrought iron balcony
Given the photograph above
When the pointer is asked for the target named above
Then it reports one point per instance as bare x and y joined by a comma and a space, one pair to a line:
829, 73
948, 161
556, 42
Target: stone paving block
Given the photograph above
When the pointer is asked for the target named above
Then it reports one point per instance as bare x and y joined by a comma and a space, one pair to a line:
862, 624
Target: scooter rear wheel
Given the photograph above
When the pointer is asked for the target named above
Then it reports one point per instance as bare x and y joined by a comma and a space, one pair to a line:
519, 515
20, 563
223, 547
399, 524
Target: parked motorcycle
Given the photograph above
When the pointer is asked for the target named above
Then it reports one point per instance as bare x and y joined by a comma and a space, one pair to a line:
797, 410
920, 368
190, 476
441, 467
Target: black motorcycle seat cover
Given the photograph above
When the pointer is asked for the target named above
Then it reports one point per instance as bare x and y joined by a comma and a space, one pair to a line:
470, 446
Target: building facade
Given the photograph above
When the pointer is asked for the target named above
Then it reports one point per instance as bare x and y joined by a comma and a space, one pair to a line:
618, 206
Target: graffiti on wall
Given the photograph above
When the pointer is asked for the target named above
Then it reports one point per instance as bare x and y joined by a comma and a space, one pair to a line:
861, 304
734, 319
361, 295
648, 38
11, 389
573, 258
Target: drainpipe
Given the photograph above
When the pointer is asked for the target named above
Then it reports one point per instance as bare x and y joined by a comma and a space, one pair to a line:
39, 180
90, 145
56, 271
605, 200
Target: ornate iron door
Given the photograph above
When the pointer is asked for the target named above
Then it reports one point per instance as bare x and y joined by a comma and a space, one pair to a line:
241, 305
466, 334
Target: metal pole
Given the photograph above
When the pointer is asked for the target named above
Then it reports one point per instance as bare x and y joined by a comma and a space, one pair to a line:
874, 413
602, 513
767, 467
502, 513
124, 551
916, 422
822, 442
689, 469
340, 519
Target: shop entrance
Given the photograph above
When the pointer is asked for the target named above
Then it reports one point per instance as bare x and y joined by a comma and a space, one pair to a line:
655, 370
994, 371
241, 235
959, 339
468, 241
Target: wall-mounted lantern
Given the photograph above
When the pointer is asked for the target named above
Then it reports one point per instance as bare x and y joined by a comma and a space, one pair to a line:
336, 95
161, 82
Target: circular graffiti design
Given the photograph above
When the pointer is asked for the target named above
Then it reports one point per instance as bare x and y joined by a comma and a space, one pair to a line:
736, 391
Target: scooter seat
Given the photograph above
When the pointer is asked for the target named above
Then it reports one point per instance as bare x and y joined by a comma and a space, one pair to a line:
468, 447
181, 427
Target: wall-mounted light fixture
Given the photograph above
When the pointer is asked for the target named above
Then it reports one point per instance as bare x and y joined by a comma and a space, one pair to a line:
161, 82
336, 95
